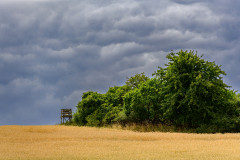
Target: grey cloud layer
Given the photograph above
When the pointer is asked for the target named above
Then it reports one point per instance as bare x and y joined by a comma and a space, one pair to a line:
53, 51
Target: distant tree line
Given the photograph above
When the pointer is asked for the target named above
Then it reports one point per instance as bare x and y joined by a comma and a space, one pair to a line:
189, 92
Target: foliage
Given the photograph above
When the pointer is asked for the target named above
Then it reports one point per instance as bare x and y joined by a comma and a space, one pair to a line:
135, 81
98, 109
193, 90
188, 93
91, 101
144, 103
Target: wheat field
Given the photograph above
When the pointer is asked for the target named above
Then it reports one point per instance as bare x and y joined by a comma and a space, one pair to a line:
69, 142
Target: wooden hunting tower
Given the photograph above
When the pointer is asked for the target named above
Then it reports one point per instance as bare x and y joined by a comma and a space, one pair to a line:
66, 115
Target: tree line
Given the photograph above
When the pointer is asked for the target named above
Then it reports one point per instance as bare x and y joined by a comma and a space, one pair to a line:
189, 92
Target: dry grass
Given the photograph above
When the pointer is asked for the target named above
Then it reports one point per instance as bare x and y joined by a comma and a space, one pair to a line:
68, 142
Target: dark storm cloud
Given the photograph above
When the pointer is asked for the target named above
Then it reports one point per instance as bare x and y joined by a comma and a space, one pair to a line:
53, 51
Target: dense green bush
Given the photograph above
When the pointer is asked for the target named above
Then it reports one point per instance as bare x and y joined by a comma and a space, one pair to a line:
144, 103
194, 92
188, 93
89, 106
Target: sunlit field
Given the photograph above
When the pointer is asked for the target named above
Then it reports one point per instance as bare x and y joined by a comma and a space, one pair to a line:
68, 142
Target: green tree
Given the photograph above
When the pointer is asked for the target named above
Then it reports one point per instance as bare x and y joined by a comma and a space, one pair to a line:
194, 92
114, 103
152, 97
134, 107
136, 80
144, 103
91, 102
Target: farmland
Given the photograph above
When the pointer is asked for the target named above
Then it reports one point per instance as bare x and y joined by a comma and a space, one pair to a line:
70, 142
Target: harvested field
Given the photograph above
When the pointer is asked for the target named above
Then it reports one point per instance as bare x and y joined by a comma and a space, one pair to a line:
69, 142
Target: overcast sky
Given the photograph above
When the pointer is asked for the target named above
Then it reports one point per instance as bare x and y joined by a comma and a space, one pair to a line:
51, 51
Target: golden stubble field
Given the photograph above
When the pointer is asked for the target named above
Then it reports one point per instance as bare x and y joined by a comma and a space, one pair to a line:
69, 142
